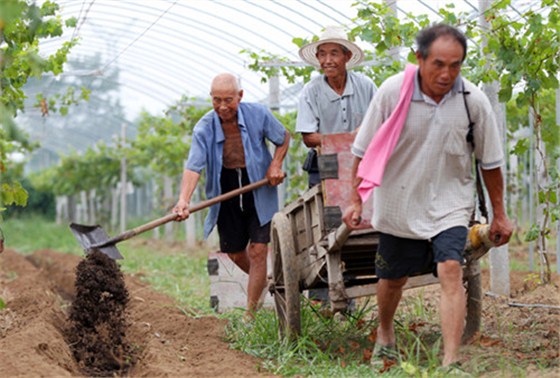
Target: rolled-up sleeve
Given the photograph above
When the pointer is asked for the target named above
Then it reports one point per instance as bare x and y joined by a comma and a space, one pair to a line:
488, 144
274, 130
306, 121
371, 122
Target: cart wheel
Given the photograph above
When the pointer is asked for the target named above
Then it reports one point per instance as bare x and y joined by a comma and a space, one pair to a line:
285, 278
473, 283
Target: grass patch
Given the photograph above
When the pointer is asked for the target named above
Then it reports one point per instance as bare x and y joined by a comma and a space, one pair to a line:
176, 272
29, 234
339, 345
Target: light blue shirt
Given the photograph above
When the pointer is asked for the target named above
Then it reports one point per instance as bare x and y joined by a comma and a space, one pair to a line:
257, 124
322, 110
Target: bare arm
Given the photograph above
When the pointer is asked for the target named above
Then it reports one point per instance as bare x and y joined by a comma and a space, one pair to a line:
353, 214
501, 227
188, 184
275, 175
311, 139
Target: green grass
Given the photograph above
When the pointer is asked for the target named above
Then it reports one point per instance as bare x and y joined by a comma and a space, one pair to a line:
338, 346
179, 274
30, 234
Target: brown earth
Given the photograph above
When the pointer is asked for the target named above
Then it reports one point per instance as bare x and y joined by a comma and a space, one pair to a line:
160, 339
38, 337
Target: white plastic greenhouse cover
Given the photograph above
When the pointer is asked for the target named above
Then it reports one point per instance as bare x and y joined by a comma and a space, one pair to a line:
165, 49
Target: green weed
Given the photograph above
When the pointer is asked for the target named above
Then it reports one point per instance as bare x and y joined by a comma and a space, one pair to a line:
29, 234
338, 345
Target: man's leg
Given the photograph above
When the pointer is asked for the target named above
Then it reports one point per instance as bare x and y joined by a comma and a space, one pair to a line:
253, 262
257, 275
241, 259
389, 293
452, 308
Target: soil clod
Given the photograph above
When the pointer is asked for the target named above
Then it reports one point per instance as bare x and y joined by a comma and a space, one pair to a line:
97, 318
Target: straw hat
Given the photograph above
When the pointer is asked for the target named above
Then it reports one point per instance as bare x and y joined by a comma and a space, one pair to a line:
332, 34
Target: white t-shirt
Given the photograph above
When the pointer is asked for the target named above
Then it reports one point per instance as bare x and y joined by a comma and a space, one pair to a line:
428, 185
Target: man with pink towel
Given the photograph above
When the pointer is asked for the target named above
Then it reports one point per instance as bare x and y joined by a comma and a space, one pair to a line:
420, 165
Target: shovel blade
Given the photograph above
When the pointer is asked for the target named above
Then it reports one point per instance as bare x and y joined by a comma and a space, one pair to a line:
91, 236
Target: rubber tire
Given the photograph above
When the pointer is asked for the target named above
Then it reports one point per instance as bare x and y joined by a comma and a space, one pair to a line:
473, 285
285, 278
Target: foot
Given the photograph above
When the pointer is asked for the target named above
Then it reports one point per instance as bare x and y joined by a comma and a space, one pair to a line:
452, 370
384, 357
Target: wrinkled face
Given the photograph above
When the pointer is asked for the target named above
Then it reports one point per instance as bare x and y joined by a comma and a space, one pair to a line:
441, 67
333, 59
225, 100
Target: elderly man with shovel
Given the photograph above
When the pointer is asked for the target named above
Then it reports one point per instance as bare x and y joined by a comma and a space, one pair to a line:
230, 142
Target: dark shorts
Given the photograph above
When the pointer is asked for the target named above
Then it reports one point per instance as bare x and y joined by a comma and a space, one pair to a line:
400, 257
238, 222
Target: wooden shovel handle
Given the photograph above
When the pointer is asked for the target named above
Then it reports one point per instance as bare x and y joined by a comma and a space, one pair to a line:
228, 195
171, 217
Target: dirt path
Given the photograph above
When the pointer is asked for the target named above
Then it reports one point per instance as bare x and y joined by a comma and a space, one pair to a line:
38, 291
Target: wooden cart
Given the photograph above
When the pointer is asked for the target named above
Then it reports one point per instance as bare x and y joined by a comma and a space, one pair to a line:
312, 248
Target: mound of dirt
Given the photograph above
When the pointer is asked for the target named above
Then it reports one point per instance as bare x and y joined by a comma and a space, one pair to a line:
97, 331
42, 305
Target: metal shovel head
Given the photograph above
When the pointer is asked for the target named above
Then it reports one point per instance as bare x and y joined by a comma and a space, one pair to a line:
90, 236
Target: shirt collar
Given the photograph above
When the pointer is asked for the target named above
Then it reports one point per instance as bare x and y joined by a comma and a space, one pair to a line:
417, 95
332, 95
220, 137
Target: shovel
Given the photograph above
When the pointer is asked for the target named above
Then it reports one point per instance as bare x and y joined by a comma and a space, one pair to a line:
95, 238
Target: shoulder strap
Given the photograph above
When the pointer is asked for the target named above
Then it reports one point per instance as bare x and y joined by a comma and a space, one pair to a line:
470, 139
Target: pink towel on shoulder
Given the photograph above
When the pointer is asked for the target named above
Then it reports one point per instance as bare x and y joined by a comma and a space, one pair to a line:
381, 147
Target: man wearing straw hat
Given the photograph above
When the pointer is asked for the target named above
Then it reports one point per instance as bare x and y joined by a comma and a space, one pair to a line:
336, 101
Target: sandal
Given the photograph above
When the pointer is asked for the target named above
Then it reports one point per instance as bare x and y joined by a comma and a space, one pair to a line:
384, 357
452, 370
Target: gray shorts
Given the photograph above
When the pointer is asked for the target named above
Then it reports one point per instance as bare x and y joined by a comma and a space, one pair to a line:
400, 257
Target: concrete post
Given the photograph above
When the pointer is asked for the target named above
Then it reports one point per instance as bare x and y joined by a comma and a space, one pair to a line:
558, 188
274, 105
123, 182
499, 257
168, 198
531, 188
